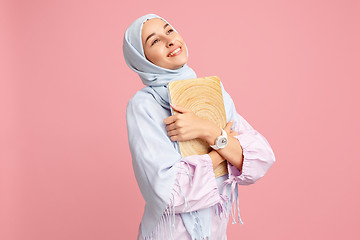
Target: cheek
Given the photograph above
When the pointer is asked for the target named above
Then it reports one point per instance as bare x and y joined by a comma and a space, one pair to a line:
155, 54
184, 48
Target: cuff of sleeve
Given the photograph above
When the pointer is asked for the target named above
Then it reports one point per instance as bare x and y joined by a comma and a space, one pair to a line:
243, 176
200, 184
210, 180
204, 170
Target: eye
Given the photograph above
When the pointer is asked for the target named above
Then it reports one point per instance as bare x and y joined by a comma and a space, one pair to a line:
170, 30
154, 42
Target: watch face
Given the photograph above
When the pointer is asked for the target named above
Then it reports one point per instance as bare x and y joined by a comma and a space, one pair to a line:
222, 142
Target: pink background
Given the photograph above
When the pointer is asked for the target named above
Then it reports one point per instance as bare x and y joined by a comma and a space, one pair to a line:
292, 68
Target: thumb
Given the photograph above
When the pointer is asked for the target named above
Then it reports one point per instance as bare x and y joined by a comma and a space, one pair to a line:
228, 126
179, 108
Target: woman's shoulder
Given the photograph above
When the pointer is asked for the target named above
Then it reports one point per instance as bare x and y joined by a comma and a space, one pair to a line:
143, 99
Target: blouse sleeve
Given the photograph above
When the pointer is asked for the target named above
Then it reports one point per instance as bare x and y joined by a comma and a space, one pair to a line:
195, 186
258, 156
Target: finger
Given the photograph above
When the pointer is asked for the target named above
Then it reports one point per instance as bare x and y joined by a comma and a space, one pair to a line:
178, 138
172, 132
228, 126
170, 119
179, 108
171, 126
233, 133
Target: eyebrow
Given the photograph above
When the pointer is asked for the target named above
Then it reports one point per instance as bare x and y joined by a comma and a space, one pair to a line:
154, 33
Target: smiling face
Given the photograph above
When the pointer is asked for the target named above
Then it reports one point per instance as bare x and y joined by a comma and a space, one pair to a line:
162, 45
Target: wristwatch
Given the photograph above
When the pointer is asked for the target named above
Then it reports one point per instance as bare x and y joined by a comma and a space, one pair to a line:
221, 141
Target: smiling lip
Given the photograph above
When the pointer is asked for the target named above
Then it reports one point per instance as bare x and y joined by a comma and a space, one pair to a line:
179, 52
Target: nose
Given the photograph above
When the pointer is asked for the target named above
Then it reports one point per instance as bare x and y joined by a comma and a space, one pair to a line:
171, 42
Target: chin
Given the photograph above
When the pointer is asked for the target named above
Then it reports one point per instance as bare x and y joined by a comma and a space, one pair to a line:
175, 64
181, 63
179, 66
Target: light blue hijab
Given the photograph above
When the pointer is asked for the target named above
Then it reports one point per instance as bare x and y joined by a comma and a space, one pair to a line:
151, 75
155, 176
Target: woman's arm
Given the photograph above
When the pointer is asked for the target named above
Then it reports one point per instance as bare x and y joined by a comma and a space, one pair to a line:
215, 156
186, 126
216, 159
258, 155
233, 151
248, 153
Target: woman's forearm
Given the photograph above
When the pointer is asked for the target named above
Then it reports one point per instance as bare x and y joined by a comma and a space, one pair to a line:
185, 125
216, 158
233, 152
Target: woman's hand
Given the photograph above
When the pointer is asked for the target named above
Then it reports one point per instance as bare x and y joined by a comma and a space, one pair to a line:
185, 125
228, 129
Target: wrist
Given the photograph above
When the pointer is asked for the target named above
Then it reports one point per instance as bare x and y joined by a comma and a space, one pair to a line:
211, 133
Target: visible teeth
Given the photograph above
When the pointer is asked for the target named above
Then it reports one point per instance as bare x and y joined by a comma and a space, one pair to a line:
174, 51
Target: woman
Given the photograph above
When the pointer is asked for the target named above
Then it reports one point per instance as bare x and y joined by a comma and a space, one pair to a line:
183, 198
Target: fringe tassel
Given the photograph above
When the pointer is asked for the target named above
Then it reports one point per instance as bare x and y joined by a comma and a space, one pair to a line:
197, 226
225, 202
166, 225
188, 171
222, 207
